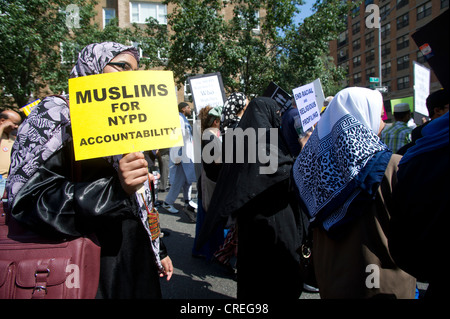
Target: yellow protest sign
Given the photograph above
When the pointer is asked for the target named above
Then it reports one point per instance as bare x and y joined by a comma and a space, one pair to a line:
123, 112
27, 108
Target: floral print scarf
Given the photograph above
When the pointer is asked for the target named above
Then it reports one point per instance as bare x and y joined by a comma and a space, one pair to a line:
233, 105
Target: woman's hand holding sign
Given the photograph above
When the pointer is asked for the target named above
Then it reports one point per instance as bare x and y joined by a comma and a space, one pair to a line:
133, 172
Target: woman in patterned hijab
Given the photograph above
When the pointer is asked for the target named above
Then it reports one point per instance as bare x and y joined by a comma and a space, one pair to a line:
55, 196
233, 109
345, 176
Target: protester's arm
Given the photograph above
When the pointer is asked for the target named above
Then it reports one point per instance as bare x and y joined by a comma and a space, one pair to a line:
53, 205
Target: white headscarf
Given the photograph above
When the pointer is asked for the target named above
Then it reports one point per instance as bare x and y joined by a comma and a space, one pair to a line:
343, 156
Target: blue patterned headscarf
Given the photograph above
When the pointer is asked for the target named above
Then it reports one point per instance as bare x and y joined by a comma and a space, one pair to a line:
343, 158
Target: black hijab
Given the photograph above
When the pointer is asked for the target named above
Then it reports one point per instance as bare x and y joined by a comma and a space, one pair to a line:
239, 183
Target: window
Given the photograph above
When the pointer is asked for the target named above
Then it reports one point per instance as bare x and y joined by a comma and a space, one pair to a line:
370, 56
424, 10
403, 42
403, 21
369, 39
356, 27
342, 39
357, 78
141, 11
385, 49
403, 62
386, 69
444, 4
384, 10
370, 73
401, 3
343, 55
385, 30
403, 83
356, 61
108, 15
356, 44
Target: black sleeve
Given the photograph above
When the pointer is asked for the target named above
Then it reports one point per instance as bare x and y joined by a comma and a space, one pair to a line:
52, 204
418, 229
162, 250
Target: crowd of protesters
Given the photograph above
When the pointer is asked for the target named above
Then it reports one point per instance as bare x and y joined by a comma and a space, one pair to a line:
364, 214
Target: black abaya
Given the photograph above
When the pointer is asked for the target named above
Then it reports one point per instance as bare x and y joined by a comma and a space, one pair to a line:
269, 220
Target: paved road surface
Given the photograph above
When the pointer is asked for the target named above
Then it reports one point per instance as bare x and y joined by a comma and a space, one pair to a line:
194, 278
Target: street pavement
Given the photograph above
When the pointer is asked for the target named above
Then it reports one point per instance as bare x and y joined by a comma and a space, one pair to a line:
194, 278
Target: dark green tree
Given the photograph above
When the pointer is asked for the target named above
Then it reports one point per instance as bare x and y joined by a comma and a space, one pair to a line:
243, 49
305, 48
39, 44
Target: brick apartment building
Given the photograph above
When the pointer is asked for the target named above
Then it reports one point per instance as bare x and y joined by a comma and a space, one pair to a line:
357, 48
128, 12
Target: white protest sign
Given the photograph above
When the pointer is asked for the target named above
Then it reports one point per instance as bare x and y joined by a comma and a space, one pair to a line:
309, 111
320, 97
207, 90
421, 88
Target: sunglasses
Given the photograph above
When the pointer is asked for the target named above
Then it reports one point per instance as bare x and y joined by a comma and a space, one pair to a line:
123, 65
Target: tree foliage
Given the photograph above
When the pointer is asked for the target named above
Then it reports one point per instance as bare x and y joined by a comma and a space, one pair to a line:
39, 45
38, 48
305, 48
243, 49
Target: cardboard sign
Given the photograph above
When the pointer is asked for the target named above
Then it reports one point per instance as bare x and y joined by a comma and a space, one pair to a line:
207, 90
309, 110
320, 97
409, 100
122, 112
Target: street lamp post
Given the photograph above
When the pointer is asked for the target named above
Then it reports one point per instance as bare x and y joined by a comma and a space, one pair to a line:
379, 52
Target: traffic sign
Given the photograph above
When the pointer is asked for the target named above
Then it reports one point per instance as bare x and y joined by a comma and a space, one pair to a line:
374, 80
382, 89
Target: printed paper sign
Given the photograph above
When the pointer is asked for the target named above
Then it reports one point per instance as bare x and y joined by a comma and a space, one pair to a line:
207, 90
421, 88
309, 111
122, 112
